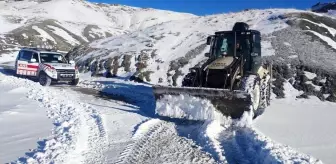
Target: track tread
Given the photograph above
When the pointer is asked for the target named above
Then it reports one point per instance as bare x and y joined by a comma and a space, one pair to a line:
161, 143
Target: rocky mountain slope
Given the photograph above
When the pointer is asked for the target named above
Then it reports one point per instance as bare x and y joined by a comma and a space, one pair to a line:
169, 48
324, 7
63, 24
301, 44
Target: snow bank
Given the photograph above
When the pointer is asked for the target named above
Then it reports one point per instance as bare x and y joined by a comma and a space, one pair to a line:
22, 122
78, 134
304, 124
229, 142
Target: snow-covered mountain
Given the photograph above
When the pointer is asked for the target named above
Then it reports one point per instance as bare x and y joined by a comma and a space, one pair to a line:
66, 23
296, 41
324, 7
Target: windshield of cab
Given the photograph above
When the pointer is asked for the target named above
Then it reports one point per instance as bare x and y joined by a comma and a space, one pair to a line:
223, 45
52, 58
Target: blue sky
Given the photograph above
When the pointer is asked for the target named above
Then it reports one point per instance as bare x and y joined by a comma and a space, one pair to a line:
204, 7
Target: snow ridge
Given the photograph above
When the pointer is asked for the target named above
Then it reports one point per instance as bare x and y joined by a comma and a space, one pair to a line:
78, 136
230, 142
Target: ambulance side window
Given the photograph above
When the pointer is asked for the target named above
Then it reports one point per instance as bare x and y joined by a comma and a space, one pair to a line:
25, 55
20, 55
35, 56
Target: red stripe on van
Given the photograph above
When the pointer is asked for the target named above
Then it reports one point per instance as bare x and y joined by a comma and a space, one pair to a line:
32, 66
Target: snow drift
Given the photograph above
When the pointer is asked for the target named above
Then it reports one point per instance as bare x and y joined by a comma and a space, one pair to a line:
186, 107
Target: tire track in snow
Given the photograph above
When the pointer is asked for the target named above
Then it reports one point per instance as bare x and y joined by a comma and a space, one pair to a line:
78, 136
96, 138
157, 141
91, 141
98, 141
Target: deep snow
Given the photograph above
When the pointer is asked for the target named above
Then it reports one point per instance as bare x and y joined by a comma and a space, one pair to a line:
305, 124
23, 122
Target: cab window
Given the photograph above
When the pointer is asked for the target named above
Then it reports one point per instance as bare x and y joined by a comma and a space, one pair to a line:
224, 45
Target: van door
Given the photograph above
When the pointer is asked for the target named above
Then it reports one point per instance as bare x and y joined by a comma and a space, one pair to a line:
33, 64
25, 65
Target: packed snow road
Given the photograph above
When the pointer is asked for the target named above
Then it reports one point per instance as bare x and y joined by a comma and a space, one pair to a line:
115, 123
88, 126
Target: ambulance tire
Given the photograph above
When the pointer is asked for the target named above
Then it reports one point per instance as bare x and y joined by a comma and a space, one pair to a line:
74, 82
44, 79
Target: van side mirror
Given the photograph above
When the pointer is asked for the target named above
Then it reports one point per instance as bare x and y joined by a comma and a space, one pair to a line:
209, 38
207, 54
72, 62
33, 60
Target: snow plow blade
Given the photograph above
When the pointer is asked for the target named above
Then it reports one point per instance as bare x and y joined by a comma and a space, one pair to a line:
229, 103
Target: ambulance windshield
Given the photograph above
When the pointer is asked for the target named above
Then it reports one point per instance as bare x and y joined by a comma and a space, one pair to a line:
52, 58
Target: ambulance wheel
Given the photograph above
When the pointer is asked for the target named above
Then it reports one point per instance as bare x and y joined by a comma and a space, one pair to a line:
44, 79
